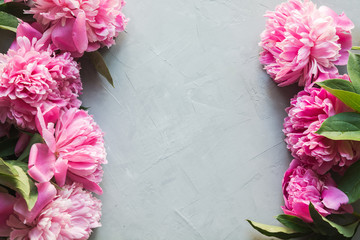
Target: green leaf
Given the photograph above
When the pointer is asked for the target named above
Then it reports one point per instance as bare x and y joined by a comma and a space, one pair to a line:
22, 165
342, 126
350, 182
355, 48
342, 219
320, 226
294, 223
339, 84
347, 231
8, 22
275, 231
36, 138
5, 169
342, 91
329, 228
84, 108
350, 230
100, 65
353, 69
15, 178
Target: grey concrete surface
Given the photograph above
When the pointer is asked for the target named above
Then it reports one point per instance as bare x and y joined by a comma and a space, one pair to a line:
193, 125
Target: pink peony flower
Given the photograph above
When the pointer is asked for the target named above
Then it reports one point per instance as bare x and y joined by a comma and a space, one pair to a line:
302, 43
79, 26
6, 209
302, 186
31, 77
307, 112
74, 148
70, 213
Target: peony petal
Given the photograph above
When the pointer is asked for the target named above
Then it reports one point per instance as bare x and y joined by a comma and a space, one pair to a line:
22, 143
342, 21
26, 30
41, 163
93, 47
79, 34
45, 119
50, 113
89, 185
61, 167
333, 198
61, 36
301, 210
345, 40
6, 209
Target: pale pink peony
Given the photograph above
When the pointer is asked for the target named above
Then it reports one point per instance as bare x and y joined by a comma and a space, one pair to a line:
31, 77
77, 26
302, 186
302, 43
308, 110
70, 213
73, 148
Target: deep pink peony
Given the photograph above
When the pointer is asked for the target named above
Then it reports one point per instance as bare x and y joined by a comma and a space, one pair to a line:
302, 186
73, 148
70, 213
31, 77
308, 110
77, 26
302, 43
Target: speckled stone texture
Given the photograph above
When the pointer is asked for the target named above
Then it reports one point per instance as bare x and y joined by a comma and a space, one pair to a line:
193, 125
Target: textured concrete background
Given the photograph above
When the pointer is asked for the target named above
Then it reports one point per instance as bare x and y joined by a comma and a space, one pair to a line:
193, 125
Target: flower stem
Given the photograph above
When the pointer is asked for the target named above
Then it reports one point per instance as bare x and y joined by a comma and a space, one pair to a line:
355, 48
